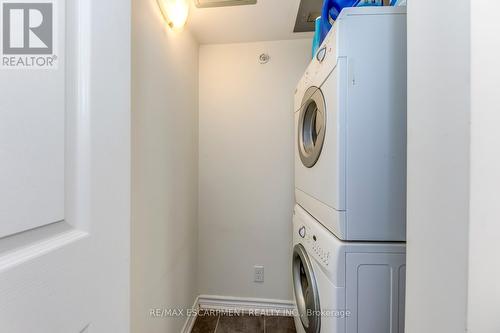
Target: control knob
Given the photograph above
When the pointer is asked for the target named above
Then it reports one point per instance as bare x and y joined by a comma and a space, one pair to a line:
302, 232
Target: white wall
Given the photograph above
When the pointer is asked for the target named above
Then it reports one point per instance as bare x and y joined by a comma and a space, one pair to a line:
164, 169
484, 270
438, 165
246, 166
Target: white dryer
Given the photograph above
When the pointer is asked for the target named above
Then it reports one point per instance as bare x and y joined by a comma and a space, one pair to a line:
345, 287
350, 117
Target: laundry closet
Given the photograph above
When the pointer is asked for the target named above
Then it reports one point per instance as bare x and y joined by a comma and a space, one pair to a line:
213, 117
217, 108
270, 168
249, 166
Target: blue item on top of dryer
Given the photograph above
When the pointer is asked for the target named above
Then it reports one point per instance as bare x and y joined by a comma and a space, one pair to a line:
316, 38
363, 3
332, 8
398, 2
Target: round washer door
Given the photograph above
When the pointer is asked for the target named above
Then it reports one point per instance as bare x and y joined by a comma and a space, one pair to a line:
306, 290
311, 126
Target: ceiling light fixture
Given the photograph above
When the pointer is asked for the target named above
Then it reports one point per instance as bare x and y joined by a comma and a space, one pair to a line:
175, 12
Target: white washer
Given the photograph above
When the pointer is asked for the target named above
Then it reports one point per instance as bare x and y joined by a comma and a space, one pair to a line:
345, 287
350, 163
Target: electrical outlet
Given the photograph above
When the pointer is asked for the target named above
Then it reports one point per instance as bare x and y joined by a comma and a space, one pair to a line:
258, 273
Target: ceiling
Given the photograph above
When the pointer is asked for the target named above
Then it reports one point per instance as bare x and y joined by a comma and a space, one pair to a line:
267, 20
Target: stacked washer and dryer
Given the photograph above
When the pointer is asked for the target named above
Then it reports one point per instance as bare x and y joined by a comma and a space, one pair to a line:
349, 225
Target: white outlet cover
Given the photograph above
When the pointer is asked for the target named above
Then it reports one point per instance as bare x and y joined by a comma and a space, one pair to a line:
259, 273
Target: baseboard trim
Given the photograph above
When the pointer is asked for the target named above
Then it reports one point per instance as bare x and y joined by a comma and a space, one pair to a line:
246, 305
270, 307
188, 325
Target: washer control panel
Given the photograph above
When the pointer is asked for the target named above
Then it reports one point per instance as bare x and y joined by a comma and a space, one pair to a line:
322, 254
312, 240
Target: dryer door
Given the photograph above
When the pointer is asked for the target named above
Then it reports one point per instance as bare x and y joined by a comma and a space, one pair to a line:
312, 126
306, 290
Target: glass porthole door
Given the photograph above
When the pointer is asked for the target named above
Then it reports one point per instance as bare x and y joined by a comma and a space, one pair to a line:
312, 126
306, 290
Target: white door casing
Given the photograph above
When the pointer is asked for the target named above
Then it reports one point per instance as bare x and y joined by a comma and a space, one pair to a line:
64, 251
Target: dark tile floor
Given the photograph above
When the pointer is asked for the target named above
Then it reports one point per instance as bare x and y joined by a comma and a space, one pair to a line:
243, 324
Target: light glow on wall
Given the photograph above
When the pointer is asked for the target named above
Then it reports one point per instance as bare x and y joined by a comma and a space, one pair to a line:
175, 12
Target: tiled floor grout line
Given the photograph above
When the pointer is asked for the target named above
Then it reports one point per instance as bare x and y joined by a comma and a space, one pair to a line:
217, 324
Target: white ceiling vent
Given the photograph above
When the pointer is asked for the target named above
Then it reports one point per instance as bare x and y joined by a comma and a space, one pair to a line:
222, 3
